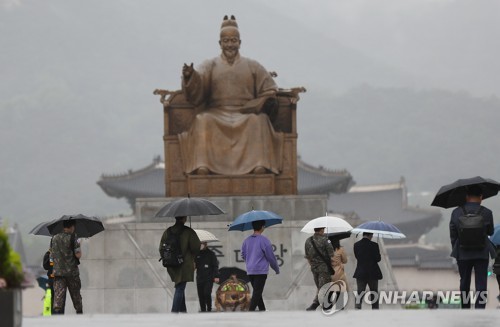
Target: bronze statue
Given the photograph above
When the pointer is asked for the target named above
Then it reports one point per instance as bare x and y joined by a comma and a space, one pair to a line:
232, 134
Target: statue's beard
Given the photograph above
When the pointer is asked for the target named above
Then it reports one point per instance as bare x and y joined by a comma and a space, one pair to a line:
230, 54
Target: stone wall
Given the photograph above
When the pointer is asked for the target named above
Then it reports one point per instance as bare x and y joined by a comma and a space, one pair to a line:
120, 271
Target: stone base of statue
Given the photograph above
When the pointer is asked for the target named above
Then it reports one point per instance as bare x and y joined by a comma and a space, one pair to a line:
228, 185
120, 271
178, 116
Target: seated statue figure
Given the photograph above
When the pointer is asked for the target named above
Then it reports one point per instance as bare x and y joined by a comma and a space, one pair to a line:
232, 134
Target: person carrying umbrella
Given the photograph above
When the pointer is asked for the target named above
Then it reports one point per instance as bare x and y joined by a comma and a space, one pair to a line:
471, 249
65, 254
367, 271
338, 261
188, 244
207, 272
257, 251
319, 254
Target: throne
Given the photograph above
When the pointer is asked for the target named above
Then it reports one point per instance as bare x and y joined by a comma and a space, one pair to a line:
178, 115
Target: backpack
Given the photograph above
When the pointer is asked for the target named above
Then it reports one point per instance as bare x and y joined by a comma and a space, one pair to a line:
46, 264
471, 231
171, 254
46, 261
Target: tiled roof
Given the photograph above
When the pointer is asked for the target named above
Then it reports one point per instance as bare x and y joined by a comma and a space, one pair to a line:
421, 256
318, 180
388, 203
146, 182
149, 181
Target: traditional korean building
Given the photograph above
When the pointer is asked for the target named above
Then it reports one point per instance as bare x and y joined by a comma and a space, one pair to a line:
387, 202
149, 181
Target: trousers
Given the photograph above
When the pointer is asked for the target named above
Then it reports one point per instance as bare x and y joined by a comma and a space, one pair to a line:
373, 285
179, 301
480, 267
205, 295
73, 285
258, 282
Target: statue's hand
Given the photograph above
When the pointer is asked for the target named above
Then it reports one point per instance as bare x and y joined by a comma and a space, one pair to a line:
187, 71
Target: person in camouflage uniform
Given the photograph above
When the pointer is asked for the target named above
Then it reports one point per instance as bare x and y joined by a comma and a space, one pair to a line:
65, 254
322, 272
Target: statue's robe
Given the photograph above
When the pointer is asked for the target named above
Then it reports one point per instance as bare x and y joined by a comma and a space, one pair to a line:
224, 137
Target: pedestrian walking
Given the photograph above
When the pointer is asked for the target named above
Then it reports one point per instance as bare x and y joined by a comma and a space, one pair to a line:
319, 254
470, 226
65, 256
179, 246
338, 261
257, 251
207, 272
367, 271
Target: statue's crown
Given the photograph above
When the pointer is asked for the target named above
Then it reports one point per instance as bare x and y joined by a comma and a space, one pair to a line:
229, 22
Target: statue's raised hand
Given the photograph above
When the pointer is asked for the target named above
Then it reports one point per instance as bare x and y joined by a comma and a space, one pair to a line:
187, 71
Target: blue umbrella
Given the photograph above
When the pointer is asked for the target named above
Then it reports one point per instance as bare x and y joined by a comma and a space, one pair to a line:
244, 222
43, 282
495, 238
384, 230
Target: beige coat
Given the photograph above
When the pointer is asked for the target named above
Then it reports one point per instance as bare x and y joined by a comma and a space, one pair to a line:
338, 260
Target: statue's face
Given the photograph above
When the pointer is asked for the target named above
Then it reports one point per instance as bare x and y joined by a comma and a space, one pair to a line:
230, 42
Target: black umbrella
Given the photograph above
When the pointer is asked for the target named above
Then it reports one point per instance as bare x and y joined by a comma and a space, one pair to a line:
226, 272
41, 229
189, 207
84, 227
453, 195
338, 236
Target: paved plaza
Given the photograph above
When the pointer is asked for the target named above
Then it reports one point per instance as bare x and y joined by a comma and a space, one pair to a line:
382, 318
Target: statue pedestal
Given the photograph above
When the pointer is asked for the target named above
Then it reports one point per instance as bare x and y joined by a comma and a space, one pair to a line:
218, 185
121, 273
290, 207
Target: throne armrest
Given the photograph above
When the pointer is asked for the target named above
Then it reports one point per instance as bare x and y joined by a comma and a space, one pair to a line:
179, 113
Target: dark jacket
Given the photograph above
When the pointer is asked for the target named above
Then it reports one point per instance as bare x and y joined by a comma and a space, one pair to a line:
368, 254
461, 254
190, 246
207, 266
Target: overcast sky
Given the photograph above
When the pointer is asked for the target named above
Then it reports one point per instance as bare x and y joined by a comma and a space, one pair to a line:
92, 66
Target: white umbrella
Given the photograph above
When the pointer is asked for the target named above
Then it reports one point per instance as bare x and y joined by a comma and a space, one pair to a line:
205, 236
332, 224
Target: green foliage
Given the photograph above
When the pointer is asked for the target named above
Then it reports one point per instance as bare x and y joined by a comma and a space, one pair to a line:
10, 262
